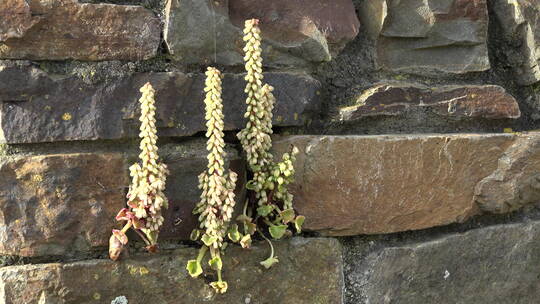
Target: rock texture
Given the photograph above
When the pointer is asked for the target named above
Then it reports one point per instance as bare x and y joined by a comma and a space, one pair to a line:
66, 203
294, 32
428, 37
392, 99
66, 29
516, 182
185, 163
520, 24
347, 185
489, 265
38, 107
163, 278
59, 204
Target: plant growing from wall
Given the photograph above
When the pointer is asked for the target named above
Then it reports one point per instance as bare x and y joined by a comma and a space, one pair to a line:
217, 199
145, 199
268, 208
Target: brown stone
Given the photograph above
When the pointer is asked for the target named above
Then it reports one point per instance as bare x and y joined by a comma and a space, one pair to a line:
66, 29
482, 101
309, 271
292, 22
294, 32
62, 204
348, 185
59, 204
516, 181
429, 37
15, 19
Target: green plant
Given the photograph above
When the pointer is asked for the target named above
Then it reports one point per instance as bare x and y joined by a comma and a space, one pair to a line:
269, 203
217, 199
145, 197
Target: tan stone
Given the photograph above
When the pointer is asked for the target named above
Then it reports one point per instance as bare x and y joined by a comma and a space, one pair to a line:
348, 185
58, 204
66, 29
310, 271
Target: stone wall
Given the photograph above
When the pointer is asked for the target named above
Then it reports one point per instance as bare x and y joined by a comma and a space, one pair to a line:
419, 164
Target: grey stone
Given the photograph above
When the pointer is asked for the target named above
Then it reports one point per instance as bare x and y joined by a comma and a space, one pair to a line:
428, 37
520, 24
495, 264
294, 32
309, 272
38, 107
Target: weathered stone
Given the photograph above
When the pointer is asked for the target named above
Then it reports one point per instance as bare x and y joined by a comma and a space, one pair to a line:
66, 203
163, 278
66, 29
58, 204
516, 182
294, 32
185, 163
348, 185
427, 37
520, 24
15, 19
495, 264
471, 101
37, 107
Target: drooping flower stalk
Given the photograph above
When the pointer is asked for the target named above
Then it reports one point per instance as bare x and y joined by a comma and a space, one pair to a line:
217, 202
268, 185
145, 198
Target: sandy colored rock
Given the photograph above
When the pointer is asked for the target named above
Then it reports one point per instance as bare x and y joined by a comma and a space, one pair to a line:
347, 185
294, 32
163, 278
15, 19
66, 29
472, 101
59, 204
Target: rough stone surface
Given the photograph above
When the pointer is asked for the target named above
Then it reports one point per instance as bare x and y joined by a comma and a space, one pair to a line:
516, 182
185, 163
347, 185
520, 24
16, 19
392, 99
66, 29
66, 203
428, 37
294, 32
297, 278
59, 204
495, 264
38, 107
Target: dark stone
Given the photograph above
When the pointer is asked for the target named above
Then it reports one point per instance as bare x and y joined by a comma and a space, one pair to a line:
309, 272
488, 265
37, 107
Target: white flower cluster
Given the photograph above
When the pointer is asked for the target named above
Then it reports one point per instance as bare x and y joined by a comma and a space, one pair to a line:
146, 197
217, 199
256, 136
